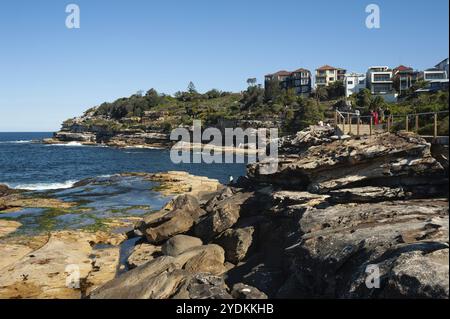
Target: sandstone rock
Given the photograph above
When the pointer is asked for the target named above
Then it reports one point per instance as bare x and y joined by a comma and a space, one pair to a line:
208, 259
243, 291
185, 211
311, 136
383, 159
179, 244
141, 254
174, 223
180, 182
223, 216
8, 226
65, 266
162, 277
236, 243
151, 280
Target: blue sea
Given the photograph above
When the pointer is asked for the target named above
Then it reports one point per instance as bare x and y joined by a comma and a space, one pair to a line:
27, 164
52, 170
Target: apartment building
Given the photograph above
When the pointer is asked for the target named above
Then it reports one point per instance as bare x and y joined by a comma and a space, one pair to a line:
379, 81
325, 75
404, 77
354, 82
299, 80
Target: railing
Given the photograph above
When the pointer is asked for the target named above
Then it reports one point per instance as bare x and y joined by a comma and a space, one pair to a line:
353, 123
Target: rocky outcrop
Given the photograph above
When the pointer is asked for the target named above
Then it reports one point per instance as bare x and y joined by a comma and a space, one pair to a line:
221, 216
311, 136
381, 160
63, 264
348, 218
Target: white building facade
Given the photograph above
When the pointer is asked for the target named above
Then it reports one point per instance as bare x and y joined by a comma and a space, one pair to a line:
380, 82
354, 83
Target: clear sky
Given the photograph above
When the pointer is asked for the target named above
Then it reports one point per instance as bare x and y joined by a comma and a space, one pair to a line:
49, 73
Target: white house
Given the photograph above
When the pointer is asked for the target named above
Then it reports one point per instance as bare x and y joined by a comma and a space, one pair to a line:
380, 82
354, 82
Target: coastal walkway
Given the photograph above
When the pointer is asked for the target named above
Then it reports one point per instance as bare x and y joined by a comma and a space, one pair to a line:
354, 124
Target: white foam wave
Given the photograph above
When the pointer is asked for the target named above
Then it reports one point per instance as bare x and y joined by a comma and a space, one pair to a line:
16, 142
70, 144
44, 186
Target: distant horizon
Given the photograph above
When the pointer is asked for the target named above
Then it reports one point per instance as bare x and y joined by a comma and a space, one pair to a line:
52, 73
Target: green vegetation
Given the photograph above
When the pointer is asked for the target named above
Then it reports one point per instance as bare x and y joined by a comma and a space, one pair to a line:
154, 111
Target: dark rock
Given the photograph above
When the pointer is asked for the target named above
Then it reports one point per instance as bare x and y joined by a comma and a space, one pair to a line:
203, 286
222, 216
236, 243
243, 291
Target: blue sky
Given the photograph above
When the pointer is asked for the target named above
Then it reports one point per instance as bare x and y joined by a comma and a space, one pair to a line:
49, 73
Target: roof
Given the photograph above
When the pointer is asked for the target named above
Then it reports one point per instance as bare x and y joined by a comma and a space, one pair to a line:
327, 67
300, 70
445, 60
403, 68
287, 73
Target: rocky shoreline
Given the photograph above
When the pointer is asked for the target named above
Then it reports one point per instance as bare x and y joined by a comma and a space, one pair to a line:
333, 210
310, 230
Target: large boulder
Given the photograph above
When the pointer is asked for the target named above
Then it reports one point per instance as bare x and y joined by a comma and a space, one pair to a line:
184, 212
162, 277
223, 215
179, 244
203, 286
236, 243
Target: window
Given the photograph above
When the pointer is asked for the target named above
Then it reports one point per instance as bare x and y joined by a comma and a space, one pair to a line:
331, 79
350, 82
362, 81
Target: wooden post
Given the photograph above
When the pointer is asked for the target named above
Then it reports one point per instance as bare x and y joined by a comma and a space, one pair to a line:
417, 124
335, 119
350, 124
370, 126
357, 126
389, 124
435, 125
406, 123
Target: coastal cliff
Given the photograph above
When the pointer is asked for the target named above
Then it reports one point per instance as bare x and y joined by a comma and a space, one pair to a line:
310, 230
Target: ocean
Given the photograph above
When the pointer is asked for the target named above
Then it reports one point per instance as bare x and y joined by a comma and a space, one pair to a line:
29, 165
51, 171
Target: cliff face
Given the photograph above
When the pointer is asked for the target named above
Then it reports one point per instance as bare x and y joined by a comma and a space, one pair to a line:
356, 218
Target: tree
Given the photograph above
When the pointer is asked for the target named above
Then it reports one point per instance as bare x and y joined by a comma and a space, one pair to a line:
363, 98
153, 98
191, 88
321, 94
377, 102
251, 81
253, 97
272, 90
336, 90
